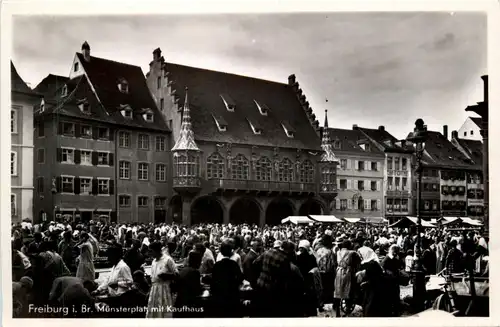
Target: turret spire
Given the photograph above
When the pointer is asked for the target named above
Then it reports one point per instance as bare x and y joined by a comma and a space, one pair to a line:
186, 134
326, 143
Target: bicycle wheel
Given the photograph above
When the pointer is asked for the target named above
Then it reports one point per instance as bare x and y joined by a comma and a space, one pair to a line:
443, 303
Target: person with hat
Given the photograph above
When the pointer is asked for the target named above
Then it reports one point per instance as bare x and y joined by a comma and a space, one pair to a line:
85, 269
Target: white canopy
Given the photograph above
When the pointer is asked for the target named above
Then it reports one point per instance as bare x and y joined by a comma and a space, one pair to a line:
325, 218
297, 220
471, 221
352, 220
425, 223
375, 219
448, 220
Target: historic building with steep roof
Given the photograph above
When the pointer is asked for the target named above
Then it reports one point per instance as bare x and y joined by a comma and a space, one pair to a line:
21, 154
246, 150
103, 148
471, 129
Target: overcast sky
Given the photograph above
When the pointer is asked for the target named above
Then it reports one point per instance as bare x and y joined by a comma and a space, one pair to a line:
374, 68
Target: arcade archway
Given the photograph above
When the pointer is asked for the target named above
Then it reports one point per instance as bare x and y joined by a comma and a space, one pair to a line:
207, 209
245, 210
311, 207
277, 210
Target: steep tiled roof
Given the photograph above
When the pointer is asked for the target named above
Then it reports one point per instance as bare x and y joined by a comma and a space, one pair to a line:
473, 149
208, 88
105, 75
477, 120
17, 83
442, 153
349, 142
385, 140
50, 84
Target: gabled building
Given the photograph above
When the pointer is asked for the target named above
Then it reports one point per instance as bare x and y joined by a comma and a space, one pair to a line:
471, 129
360, 174
246, 149
21, 154
397, 172
102, 145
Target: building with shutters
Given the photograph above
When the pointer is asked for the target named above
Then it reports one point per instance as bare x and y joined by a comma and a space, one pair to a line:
21, 153
397, 185
360, 174
102, 147
246, 150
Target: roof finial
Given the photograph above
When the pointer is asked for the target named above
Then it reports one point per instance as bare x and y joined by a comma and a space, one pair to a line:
186, 134
326, 118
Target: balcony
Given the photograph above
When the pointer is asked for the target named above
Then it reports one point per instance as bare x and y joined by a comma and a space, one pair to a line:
392, 172
398, 193
187, 184
262, 186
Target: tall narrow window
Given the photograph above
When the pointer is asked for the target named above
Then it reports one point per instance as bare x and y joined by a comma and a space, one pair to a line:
215, 166
143, 171
263, 169
240, 167
307, 172
13, 121
285, 173
13, 163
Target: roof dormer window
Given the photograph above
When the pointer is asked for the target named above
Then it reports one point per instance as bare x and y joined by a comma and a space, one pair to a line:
228, 102
148, 115
221, 123
263, 109
84, 106
256, 129
126, 111
64, 91
42, 106
365, 146
336, 144
123, 86
289, 131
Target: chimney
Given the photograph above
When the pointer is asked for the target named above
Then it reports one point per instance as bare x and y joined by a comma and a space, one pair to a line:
454, 135
291, 79
485, 87
156, 54
86, 51
355, 127
381, 128
445, 131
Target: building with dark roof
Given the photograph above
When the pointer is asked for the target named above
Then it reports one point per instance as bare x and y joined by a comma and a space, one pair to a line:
106, 143
21, 153
246, 149
471, 129
397, 190
360, 174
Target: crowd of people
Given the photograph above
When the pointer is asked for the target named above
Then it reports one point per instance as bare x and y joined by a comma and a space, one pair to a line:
215, 270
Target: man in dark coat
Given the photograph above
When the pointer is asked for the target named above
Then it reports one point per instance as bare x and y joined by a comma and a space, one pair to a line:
249, 270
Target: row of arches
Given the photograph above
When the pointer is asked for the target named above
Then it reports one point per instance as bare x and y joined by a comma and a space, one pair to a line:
208, 209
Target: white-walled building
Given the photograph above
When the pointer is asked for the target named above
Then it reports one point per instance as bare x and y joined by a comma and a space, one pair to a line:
470, 129
21, 155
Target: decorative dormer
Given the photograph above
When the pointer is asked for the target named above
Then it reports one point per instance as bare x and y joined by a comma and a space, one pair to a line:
148, 115
337, 144
328, 165
228, 102
123, 85
42, 105
289, 130
64, 91
221, 123
84, 106
126, 111
186, 155
263, 109
256, 129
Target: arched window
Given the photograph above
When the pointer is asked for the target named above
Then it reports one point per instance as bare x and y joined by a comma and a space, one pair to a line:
215, 166
263, 169
285, 172
239, 167
307, 172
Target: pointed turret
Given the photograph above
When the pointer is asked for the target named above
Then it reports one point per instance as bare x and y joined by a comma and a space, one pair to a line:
186, 135
326, 144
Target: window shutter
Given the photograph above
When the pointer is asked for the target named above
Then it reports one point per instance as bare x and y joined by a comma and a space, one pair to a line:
95, 132
77, 130
338, 182
94, 186
111, 159
367, 185
349, 203
348, 163
58, 184
378, 165
356, 164
60, 128
369, 204
368, 165
111, 186
355, 186
59, 154
76, 185
349, 184
77, 156
337, 204
111, 134
94, 158
379, 204
378, 185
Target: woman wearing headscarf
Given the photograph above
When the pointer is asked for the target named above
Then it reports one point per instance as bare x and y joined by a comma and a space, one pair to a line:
345, 279
306, 262
85, 269
327, 266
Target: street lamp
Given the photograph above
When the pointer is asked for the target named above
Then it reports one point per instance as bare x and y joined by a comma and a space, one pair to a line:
418, 137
